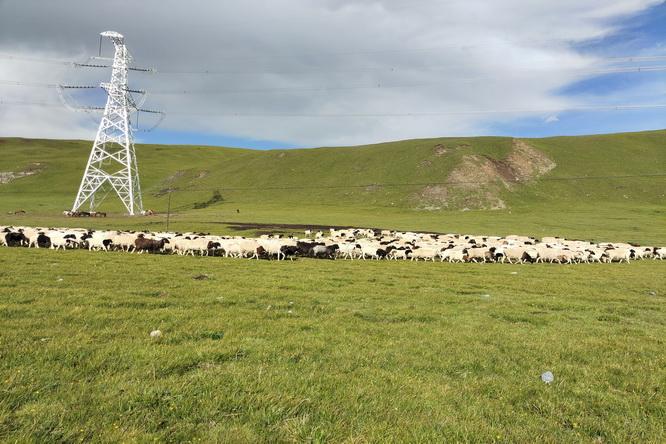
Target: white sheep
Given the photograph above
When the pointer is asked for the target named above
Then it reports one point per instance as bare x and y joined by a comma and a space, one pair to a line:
62, 240
518, 254
232, 248
558, 255
427, 254
123, 241
347, 250
370, 251
98, 244
273, 248
399, 253
454, 254
619, 254
32, 237
481, 254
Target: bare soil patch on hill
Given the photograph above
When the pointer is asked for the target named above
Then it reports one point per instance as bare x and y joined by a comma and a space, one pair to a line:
8, 176
478, 181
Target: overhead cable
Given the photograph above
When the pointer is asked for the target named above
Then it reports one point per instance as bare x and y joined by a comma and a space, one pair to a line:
404, 114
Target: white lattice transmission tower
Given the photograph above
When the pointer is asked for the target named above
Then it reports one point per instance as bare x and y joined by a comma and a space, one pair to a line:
112, 163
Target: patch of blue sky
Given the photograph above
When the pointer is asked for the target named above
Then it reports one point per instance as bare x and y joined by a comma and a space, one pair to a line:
638, 35
641, 35
170, 137
612, 85
579, 123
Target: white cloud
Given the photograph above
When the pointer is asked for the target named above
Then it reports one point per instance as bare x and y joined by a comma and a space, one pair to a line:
366, 63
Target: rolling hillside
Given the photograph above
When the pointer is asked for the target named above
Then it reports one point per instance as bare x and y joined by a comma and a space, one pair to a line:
413, 183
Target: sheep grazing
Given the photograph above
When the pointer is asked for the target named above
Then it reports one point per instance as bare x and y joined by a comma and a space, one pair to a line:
273, 248
289, 251
481, 254
396, 253
142, 244
348, 251
43, 241
305, 248
619, 254
349, 243
16, 239
62, 240
426, 254
241, 247
372, 252
252, 249
202, 245
324, 251
559, 255
454, 255
95, 243
518, 254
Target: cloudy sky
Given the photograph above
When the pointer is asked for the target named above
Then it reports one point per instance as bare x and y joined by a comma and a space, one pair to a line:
303, 73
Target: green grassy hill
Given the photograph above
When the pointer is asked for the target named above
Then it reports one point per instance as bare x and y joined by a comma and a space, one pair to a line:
340, 351
601, 185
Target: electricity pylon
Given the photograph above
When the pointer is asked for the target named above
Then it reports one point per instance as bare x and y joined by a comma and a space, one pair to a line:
112, 162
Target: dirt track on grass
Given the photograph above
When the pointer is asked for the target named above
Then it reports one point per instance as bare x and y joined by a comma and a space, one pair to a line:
277, 228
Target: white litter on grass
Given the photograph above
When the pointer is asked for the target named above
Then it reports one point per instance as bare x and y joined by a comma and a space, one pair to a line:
486, 295
60, 280
514, 272
547, 377
155, 334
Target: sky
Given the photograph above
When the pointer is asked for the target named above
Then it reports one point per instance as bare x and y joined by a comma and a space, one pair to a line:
301, 74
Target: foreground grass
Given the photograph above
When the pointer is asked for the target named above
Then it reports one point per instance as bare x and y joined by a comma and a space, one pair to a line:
327, 351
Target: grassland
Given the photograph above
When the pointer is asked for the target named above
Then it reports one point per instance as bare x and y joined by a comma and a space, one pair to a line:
337, 351
608, 187
327, 351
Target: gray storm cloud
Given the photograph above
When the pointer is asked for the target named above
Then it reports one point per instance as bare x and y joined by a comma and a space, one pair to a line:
307, 73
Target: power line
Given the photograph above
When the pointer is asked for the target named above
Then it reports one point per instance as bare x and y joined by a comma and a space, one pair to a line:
416, 114
372, 85
441, 113
410, 84
407, 84
629, 59
45, 105
33, 84
35, 59
402, 68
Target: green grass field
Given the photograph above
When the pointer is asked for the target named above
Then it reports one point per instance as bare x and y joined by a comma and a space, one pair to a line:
604, 188
337, 351
328, 351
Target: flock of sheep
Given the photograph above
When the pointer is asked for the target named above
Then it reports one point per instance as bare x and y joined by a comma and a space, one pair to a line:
346, 244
